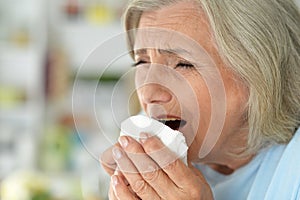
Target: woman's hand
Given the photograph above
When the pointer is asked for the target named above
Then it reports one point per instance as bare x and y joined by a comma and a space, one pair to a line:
149, 170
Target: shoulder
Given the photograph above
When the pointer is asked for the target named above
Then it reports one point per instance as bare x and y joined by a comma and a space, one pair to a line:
291, 154
286, 177
278, 171
298, 194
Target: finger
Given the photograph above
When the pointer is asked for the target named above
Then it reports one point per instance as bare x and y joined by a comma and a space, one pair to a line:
112, 196
137, 183
107, 161
121, 175
170, 163
111, 193
189, 185
120, 189
137, 155
149, 170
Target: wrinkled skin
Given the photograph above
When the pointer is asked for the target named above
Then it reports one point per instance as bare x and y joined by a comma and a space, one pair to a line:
148, 170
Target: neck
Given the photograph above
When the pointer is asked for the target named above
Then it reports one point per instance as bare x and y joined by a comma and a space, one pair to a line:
226, 155
228, 167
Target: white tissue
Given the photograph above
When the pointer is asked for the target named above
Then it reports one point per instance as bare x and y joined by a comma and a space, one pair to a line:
174, 140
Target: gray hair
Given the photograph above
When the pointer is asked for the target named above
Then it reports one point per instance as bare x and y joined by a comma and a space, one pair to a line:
260, 41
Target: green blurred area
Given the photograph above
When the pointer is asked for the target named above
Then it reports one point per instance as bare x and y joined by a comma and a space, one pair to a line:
45, 153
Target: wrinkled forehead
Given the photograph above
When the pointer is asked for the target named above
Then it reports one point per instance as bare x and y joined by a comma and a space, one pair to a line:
169, 41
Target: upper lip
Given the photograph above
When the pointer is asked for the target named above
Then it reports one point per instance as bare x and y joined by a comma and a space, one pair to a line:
166, 117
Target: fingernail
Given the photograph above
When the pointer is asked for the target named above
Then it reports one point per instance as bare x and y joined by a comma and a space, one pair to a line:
117, 153
114, 180
123, 141
144, 137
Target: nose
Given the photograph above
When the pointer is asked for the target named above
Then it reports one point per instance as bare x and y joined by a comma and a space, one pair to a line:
150, 82
153, 93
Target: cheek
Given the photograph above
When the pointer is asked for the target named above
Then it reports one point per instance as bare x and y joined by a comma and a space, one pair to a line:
202, 94
204, 107
211, 95
200, 111
237, 95
139, 95
237, 101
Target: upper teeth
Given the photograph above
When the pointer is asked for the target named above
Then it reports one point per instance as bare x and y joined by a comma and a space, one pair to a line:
169, 119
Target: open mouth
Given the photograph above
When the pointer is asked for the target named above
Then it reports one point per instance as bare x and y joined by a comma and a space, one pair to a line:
174, 124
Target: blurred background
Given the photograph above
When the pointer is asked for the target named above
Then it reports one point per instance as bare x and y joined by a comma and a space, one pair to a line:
65, 86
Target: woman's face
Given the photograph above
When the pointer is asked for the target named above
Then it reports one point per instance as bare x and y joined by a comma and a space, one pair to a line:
181, 79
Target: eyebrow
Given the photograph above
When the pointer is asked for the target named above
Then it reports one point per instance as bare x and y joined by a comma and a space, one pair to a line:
140, 51
179, 51
176, 51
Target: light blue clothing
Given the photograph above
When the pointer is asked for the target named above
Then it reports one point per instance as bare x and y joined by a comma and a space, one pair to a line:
274, 174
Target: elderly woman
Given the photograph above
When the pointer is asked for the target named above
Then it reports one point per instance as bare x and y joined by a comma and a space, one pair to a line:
227, 74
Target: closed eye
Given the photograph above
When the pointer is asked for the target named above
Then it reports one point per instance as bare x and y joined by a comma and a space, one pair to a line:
184, 65
139, 63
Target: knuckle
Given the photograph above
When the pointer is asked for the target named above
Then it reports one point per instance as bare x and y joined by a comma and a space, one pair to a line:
195, 193
152, 174
133, 147
171, 165
140, 187
152, 144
